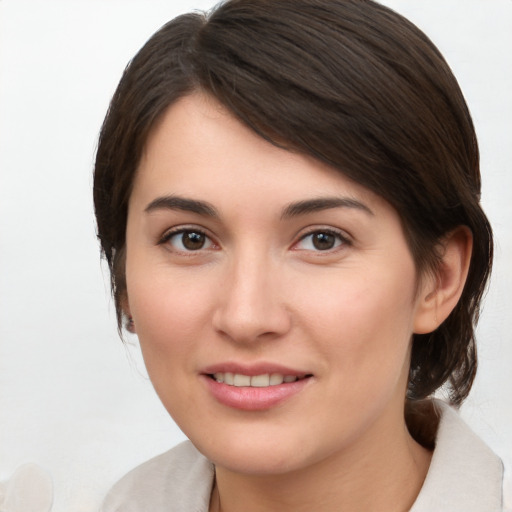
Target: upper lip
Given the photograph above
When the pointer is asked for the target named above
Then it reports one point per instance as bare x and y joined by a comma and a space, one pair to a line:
253, 369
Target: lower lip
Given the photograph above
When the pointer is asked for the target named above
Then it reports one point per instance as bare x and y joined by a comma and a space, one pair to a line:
254, 399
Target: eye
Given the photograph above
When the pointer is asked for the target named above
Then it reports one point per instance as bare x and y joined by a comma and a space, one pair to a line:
187, 240
321, 240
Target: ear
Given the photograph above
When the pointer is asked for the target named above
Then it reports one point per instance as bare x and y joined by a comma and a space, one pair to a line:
440, 291
125, 308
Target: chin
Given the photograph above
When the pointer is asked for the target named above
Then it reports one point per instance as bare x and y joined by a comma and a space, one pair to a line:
265, 454
257, 462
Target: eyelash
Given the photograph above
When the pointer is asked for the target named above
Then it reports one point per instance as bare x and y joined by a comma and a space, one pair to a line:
340, 239
167, 237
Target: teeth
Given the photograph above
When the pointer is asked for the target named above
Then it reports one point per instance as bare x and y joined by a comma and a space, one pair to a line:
241, 380
257, 381
275, 379
260, 381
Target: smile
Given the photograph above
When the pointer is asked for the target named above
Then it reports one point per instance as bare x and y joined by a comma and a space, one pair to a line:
254, 388
255, 381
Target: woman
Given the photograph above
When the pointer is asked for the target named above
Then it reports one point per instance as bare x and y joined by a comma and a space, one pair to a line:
287, 194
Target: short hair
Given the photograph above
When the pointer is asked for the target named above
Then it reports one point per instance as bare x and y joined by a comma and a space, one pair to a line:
349, 82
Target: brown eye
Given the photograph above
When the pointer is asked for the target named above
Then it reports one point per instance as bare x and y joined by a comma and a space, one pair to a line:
321, 240
187, 240
192, 240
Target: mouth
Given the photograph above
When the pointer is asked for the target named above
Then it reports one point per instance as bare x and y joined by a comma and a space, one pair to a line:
264, 380
255, 388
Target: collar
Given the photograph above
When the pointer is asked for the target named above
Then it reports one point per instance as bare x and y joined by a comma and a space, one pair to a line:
464, 475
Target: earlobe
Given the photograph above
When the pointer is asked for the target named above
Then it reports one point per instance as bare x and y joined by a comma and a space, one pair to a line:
129, 323
441, 291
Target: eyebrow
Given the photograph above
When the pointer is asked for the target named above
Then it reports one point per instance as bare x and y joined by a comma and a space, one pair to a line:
323, 203
182, 203
296, 209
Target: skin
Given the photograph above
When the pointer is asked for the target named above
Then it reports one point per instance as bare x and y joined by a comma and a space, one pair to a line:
260, 291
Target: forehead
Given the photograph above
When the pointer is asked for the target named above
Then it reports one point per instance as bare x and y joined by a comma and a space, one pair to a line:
199, 146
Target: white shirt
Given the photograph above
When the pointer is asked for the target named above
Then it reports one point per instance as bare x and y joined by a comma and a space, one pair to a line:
464, 476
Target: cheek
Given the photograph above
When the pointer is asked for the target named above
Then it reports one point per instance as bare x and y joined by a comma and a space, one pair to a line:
171, 322
170, 312
365, 320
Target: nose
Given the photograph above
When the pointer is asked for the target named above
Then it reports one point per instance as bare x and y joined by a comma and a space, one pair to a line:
251, 303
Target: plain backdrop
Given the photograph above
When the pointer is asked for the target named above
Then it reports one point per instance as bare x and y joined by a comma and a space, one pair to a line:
73, 398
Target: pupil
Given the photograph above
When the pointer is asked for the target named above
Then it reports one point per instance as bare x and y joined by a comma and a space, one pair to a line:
193, 241
323, 241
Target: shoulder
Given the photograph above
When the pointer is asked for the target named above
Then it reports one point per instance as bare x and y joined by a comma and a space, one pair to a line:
465, 475
181, 476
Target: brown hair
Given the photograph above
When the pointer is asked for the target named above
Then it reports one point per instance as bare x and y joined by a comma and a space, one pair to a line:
349, 82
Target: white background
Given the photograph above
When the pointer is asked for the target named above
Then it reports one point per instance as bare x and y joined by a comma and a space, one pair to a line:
73, 398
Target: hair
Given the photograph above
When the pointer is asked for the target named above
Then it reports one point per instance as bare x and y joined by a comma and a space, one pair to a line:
349, 82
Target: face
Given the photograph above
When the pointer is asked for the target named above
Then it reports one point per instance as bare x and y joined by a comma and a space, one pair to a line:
274, 299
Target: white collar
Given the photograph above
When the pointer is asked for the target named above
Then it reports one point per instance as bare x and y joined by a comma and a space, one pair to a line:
464, 475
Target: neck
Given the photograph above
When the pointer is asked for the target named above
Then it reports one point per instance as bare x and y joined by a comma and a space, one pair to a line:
384, 472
